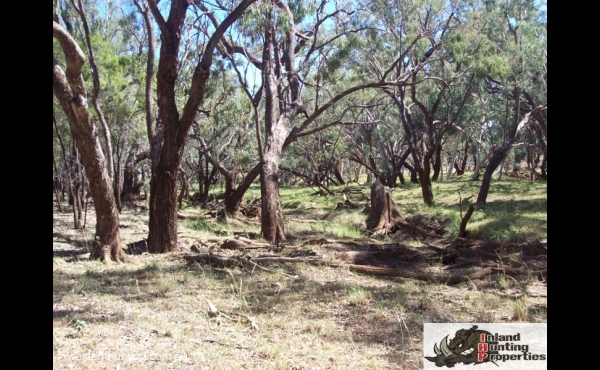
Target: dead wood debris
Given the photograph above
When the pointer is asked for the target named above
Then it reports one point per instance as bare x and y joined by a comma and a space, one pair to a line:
347, 203
402, 261
467, 259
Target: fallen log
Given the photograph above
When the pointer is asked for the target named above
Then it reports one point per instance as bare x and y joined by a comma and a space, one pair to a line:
243, 243
418, 230
319, 241
529, 248
363, 269
350, 203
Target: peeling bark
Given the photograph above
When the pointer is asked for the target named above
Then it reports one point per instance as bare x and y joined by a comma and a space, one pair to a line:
70, 90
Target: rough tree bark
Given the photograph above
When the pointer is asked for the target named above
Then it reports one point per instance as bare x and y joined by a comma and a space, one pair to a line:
70, 90
162, 235
276, 131
129, 177
96, 91
437, 164
384, 214
185, 191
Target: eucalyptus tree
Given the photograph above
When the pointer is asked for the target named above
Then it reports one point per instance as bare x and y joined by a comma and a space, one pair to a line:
78, 5
323, 51
427, 105
70, 89
177, 111
519, 35
69, 175
375, 142
317, 159
132, 185
111, 37
226, 138
459, 156
295, 53
275, 33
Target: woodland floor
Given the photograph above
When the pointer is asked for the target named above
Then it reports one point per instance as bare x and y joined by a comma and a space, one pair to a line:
154, 313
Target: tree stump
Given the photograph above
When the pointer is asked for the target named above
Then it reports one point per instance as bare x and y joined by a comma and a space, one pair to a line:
384, 215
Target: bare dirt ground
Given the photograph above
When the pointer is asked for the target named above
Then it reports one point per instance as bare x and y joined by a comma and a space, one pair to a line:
154, 313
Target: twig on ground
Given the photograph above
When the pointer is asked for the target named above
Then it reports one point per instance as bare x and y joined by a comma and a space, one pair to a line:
224, 344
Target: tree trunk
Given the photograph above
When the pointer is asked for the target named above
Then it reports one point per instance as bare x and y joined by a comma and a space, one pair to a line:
76, 202
478, 163
500, 154
454, 154
55, 185
421, 161
277, 130
493, 163
129, 174
413, 173
388, 176
401, 178
425, 182
437, 164
117, 180
75, 188
357, 173
233, 199
384, 215
337, 173
543, 168
271, 215
207, 182
72, 96
95, 91
460, 170
184, 193
162, 235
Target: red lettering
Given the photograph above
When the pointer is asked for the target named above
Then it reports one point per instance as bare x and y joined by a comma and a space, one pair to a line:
482, 347
482, 337
481, 356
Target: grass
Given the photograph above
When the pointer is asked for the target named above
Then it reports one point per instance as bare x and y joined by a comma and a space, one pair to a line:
153, 313
516, 210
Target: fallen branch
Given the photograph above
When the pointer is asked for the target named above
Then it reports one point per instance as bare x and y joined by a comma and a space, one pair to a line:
529, 248
319, 241
347, 203
364, 269
222, 343
230, 243
418, 230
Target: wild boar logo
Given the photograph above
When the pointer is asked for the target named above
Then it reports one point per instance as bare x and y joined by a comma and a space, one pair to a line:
465, 348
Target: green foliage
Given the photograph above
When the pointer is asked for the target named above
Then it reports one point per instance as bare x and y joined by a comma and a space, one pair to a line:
336, 60
79, 326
